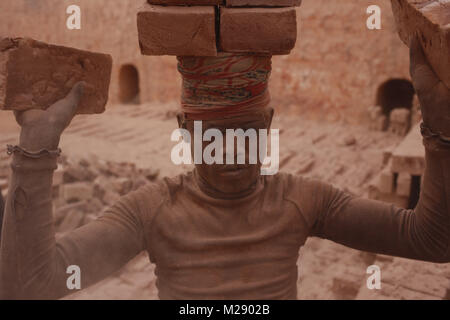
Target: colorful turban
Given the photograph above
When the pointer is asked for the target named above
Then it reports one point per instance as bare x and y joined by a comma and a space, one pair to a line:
224, 86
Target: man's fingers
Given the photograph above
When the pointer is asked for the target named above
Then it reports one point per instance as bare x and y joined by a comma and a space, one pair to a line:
18, 115
416, 54
424, 78
75, 95
27, 116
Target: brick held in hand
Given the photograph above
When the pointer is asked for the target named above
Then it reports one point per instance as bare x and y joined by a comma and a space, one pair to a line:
431, 20
258, 30
34, 75
263, 3
178, 31
187, 2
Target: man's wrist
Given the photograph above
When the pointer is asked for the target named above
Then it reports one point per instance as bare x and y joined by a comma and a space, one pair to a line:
33, 154
428, 132
37, 143
434, 141
23, 164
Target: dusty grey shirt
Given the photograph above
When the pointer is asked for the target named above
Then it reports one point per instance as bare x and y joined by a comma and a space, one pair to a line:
206, 248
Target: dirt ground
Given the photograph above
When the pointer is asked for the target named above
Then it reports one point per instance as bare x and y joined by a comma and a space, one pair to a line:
346, 156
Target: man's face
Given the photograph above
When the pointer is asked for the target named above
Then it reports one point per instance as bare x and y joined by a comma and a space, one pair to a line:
231, 179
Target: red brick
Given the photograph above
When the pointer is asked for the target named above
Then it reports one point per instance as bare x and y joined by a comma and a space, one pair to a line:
34, 75
186, 2
178, 31
259, 30
432, 20
263, 3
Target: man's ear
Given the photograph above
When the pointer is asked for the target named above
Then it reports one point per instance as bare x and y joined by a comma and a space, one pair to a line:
180, 119
269, 117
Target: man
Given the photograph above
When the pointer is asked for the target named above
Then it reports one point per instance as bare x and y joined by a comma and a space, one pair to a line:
221, 231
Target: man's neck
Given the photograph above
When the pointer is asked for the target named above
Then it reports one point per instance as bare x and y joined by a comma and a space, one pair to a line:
212, 192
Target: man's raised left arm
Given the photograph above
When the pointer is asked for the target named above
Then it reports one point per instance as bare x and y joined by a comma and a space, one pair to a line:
422, 233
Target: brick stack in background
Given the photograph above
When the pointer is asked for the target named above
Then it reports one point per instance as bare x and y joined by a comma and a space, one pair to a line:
83, 189
208, 27
399, 181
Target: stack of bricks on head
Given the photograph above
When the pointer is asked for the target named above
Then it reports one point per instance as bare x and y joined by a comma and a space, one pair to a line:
208, 28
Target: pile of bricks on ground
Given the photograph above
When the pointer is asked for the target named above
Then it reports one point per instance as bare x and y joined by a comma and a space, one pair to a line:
83, 189
399, 181
399, 121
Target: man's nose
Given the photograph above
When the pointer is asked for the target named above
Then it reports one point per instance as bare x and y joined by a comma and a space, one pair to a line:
236, 154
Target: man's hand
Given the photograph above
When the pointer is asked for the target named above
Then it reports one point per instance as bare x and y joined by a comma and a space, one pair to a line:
42, 129
434, 96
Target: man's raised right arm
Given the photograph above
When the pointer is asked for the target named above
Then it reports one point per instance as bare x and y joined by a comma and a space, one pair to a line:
33, 263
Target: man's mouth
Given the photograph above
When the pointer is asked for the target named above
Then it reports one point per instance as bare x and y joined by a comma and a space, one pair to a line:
233, 170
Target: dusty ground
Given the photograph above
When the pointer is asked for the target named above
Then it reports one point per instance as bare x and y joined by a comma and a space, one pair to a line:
337, 153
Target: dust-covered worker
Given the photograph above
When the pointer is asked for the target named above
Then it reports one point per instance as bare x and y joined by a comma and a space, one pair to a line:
220, 231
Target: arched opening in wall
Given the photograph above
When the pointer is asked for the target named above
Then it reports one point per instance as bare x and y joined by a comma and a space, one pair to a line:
394, 94
129, 84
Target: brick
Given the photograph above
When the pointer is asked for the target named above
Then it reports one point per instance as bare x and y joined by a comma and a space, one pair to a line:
263, 3
400, 121
78, 191
3, 184
404, 184
179, 31
258, 30
187, 2
378, 121
34, 75
409, 156
431, 19
386, 182
387, 154
58, 176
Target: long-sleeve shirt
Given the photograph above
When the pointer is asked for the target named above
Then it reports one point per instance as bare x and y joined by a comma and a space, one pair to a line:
208, 248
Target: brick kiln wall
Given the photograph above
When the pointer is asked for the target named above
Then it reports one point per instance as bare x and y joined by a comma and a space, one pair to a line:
338, 64
333, 72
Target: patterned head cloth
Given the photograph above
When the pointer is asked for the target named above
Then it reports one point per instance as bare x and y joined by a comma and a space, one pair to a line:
224, 86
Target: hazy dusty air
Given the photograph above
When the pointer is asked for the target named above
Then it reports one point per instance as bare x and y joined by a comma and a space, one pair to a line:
344, 104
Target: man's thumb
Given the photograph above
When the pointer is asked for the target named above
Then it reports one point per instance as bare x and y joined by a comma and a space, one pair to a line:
76, 94
416, 54
423, 76
68, 105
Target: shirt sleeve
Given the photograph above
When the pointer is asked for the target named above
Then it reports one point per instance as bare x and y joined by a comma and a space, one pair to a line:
33, 264
374, 226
